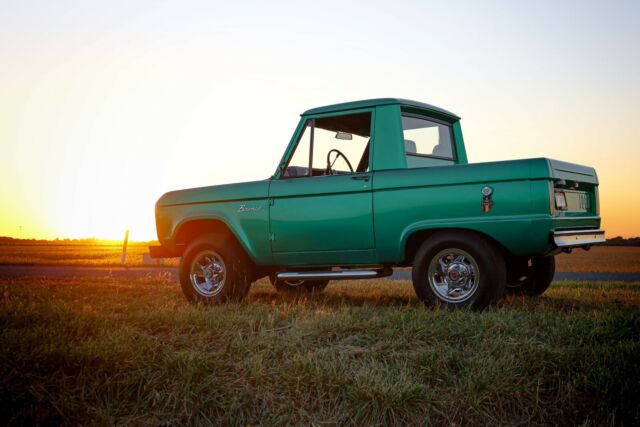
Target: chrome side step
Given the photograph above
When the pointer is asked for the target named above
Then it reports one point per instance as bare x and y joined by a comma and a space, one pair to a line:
335, 274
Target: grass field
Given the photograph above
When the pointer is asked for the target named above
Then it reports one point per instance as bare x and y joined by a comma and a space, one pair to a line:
109, 351
103, 254
599, 259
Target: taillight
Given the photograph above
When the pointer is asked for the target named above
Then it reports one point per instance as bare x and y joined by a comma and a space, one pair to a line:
561, 200
552, 203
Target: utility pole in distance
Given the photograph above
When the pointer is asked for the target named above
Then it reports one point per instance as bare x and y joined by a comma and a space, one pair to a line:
124, 246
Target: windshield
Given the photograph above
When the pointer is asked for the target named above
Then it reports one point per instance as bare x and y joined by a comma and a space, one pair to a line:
332, 145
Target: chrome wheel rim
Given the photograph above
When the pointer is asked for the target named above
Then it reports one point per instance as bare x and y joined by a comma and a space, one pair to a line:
208, 273
453, 275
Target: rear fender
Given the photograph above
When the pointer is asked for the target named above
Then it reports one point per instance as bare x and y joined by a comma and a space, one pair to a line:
515, 235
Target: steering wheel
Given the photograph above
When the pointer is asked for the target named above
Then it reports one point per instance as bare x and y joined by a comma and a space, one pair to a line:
329, 170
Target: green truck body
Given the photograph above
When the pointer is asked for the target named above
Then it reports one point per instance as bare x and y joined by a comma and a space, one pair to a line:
380, 214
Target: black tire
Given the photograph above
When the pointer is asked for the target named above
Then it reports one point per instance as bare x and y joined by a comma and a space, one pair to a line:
298, 286
533, 279
236, 280
463, 253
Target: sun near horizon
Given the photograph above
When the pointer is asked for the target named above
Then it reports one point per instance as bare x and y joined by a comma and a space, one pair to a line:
104, 107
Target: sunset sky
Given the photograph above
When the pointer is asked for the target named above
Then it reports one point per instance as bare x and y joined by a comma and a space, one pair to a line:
106, 105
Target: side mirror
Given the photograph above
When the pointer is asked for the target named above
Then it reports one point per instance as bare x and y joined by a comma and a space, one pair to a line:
344, 136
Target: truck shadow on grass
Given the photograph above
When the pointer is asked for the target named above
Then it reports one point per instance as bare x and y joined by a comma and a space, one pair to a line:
561, 297
335, 299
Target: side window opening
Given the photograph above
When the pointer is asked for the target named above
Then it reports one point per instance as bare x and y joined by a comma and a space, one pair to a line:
332, 146
426, 142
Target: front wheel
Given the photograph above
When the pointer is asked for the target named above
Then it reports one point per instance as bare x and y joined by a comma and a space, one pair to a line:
213, 272
458, 270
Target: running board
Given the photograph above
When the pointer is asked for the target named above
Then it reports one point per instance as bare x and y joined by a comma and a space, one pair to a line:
335, 274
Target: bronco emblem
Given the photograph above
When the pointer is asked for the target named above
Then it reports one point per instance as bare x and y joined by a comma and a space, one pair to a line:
245, 208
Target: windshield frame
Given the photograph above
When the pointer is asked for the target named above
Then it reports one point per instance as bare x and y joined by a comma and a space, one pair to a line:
298, 134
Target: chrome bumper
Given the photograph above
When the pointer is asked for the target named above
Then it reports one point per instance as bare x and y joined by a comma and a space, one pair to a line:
578, 238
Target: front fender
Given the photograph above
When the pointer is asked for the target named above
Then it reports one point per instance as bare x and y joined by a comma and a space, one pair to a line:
248, 221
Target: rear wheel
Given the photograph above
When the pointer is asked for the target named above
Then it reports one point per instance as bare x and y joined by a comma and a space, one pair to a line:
533, 277
213, 272
457, 270
298, 286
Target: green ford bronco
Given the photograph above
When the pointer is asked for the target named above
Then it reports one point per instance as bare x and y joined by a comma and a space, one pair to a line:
370, 185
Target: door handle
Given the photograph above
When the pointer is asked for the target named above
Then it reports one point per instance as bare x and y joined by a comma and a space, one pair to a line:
360, 177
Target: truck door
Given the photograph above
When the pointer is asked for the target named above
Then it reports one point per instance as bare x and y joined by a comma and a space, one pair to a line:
321, 205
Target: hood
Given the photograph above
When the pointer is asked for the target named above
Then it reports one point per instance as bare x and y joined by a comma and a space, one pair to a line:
216, 193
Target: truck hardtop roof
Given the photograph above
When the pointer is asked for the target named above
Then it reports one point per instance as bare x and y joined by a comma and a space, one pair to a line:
378, 102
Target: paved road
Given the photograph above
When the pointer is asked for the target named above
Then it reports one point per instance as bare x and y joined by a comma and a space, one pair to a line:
78, 271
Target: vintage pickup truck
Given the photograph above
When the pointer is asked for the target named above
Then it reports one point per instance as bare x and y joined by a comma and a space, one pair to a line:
370, 185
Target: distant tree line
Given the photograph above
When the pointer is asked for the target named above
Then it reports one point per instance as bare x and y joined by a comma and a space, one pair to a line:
4, 239
621, 241
87, 241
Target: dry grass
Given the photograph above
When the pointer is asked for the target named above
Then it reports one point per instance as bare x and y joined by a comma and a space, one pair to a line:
598, 259
106, 254
604, 259
113, 351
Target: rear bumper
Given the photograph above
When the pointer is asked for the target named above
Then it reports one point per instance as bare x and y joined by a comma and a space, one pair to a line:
578, 238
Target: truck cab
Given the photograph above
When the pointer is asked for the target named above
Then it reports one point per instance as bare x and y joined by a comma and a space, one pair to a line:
366, 186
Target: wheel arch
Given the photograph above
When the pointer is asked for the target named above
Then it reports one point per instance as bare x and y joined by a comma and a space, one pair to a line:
192, 228
414, 240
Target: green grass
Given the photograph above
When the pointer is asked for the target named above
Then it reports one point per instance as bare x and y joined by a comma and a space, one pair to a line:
106, 351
